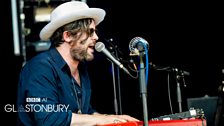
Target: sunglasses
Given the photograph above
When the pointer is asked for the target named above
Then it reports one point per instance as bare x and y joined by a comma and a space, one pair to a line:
91, 31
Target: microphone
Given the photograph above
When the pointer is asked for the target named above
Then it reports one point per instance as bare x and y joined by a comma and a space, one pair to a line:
137, 44
169, 69
100, 47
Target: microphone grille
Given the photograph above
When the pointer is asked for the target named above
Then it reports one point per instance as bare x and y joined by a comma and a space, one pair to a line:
134, 41
99, 46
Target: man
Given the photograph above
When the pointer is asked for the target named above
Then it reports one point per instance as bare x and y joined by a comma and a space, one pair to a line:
54, 87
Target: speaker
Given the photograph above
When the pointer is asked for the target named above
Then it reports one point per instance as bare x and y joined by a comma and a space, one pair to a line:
207, 104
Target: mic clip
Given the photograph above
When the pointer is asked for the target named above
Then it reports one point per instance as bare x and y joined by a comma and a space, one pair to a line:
135, 52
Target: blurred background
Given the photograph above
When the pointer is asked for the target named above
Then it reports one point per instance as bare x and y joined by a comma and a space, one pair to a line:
184, 36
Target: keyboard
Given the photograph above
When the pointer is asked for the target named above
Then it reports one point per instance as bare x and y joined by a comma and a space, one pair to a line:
188, 122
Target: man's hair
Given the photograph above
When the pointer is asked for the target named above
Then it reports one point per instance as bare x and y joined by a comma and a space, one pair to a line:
78, 26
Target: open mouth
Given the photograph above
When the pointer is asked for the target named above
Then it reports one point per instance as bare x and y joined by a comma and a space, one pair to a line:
91, 47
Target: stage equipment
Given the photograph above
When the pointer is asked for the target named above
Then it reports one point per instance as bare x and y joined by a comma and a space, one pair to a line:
100, 47
188, 122
192, 113
139, 46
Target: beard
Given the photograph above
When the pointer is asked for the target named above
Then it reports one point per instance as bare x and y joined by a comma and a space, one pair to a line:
81, 54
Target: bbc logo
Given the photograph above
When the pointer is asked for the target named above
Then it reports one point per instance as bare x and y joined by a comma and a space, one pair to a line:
33, 99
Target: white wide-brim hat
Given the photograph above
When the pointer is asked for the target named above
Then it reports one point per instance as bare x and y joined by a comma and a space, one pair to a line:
69, 12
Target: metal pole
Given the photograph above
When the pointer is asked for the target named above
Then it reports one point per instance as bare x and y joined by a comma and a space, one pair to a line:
15, 28
115, 93
179, 99
143, 91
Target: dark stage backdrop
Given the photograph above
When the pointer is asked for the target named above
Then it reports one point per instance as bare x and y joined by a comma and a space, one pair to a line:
183, 35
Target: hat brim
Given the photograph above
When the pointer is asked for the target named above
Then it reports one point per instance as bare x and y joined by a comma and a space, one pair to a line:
96, 13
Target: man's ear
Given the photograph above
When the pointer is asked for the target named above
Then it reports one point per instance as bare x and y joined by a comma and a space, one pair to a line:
67, 36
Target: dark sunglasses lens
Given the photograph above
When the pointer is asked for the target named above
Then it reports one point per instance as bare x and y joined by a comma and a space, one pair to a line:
92, 31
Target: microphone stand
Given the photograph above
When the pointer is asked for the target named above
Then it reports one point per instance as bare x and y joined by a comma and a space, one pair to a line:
143, 89
114, 47
115, 93
179, 99
118, 83
179, 75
